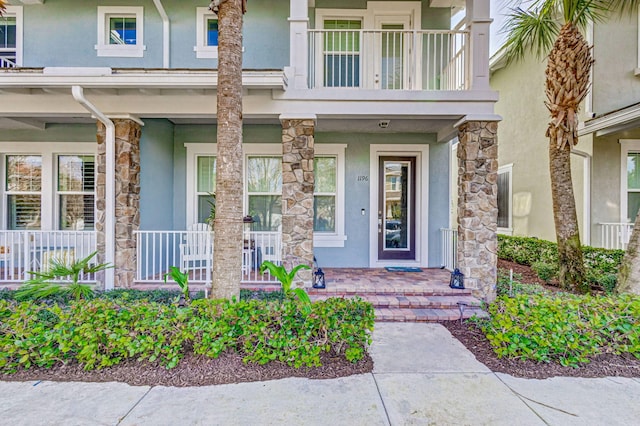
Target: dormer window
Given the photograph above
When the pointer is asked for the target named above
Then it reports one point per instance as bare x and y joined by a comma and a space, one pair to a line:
120, 32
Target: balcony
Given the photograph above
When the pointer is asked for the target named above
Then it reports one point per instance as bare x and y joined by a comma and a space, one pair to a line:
389, 59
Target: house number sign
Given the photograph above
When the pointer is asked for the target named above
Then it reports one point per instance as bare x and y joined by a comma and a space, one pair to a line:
363, 178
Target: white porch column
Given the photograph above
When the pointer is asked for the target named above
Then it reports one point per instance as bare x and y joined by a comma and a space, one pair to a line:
299, 42
478, 22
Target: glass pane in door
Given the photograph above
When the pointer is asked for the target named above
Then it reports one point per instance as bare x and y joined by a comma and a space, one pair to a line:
397, 205
392, 56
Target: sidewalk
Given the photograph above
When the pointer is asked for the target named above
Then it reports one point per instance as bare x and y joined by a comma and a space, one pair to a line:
422, 376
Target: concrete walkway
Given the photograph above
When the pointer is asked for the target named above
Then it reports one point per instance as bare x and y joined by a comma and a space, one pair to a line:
422, 376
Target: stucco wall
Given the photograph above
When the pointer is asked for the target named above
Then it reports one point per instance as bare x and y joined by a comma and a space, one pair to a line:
616, 57
63, 33
522, 142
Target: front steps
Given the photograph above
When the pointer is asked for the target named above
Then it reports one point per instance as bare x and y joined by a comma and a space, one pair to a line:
412, 305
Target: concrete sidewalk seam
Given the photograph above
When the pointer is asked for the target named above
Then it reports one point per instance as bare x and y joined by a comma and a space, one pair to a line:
524, 400
134, 405
386, 413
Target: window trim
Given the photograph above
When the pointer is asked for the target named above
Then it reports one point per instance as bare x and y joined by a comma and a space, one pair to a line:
323, 239
49, 152
507, 168
17, 12
106, 49
203, 14
58, 192
626, 146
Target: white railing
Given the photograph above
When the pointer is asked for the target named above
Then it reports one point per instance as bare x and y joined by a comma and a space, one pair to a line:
615, 235
8, 58
389, 59
449, 248
192, 251
22, 252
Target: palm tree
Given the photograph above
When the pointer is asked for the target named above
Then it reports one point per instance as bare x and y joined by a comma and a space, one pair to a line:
227, 256
3, 6
554, 28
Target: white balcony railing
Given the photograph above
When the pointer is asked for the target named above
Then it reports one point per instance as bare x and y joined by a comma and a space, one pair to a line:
389, 59
22, 252
192, 251
615, 235
449, 240
8, 58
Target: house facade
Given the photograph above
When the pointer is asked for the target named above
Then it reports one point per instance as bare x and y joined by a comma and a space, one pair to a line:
360, 98
604, 161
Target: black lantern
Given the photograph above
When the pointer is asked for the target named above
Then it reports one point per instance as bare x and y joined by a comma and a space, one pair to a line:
318, 275
457, 279
318, 279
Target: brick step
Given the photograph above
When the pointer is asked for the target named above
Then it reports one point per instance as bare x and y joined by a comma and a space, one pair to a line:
410, 301
424, 315
392, 291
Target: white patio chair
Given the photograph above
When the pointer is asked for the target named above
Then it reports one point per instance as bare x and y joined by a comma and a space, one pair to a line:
196, 252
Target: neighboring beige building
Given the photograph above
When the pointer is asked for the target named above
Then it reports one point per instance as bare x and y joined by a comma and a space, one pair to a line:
607, 197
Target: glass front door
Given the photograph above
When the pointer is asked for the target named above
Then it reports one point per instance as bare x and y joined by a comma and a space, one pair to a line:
396, 208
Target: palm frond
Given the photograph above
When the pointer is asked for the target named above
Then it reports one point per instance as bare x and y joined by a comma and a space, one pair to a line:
530, 31
3, 6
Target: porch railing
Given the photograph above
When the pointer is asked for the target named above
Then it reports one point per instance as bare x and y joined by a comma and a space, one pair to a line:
8, 58
449, 239
389, 59
615, 235
22, 252
192, 251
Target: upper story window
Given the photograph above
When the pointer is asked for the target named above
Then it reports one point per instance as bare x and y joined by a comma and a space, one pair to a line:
120, 31
11, 37
206, 33
342, 52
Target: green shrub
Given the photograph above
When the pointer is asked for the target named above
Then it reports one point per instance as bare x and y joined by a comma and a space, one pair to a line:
598, 262
510, 288
545, 271
101, 332
568, 329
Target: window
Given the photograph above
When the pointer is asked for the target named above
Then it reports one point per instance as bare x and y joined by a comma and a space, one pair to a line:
263, 188
47, 186
504, 198
23, 191
11, 37
205, 187
630, 180
76, 192
264, 192
324, 197
206, 33
120, 31
342, 52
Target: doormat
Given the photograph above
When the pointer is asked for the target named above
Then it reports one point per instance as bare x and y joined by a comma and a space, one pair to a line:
403, 269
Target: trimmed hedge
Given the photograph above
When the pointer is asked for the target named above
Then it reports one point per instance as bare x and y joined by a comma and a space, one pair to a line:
567, 329
100, 333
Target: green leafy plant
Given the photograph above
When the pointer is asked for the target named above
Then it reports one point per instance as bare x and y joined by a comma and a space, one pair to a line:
212, 209
182, 279
286, 279
61, 278
545, 271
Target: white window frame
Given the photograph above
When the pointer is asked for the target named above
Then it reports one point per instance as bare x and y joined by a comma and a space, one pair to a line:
320, 239
637, 70
16, 12
508, 168
104, 48
626, 146
49, 151
58, 193
203, 14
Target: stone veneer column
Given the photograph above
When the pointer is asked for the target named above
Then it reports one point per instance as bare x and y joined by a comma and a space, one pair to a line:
297, 195
127, 201
478, 206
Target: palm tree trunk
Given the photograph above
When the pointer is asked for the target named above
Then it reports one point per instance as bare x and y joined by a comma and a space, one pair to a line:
629, 272
571, 266
567, 82
227, 257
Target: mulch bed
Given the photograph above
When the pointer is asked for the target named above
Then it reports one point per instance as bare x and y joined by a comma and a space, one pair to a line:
195, 370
